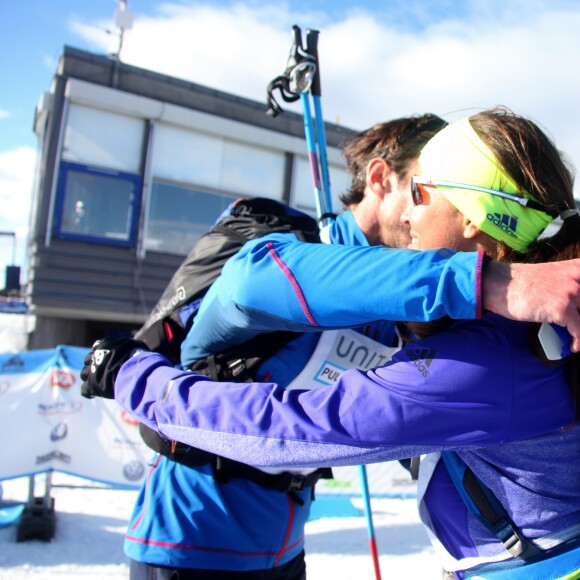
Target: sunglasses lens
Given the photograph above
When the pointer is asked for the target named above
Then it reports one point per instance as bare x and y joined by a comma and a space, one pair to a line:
419, 193
416, 196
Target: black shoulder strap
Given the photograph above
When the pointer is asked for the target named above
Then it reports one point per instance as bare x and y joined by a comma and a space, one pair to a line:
482, 502
414, 463
239, 362
228, 469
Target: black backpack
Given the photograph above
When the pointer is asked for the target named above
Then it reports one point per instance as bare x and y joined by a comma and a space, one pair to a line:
173, 315
246, 219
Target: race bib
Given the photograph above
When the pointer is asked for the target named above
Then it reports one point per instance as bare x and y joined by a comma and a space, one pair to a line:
338, 351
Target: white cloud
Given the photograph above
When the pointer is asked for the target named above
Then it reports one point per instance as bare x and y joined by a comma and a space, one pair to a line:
518, 54
376, 64
16, 181
235, 49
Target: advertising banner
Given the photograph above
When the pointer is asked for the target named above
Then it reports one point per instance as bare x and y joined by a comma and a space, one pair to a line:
45, 423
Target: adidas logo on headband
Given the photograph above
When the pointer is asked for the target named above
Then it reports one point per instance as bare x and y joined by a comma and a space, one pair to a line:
504, 222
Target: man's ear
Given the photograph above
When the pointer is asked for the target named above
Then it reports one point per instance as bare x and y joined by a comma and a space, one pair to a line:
378, 174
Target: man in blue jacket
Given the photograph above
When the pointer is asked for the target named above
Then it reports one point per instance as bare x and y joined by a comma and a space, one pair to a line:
475, 388
185, 521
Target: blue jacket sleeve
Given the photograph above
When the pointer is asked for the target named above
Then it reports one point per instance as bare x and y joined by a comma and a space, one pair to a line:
440, 393
280, 283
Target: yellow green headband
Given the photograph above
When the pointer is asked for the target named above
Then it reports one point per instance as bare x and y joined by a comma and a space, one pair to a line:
457, 154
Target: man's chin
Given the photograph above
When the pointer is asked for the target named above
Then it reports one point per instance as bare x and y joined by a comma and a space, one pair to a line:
399, 241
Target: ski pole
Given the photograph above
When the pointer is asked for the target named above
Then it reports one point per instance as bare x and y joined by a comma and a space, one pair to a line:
312, 131
369, 517
301, 77
316, 92
294, 84
319, 195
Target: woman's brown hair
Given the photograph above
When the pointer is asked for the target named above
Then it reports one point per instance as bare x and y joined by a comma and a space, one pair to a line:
532, 160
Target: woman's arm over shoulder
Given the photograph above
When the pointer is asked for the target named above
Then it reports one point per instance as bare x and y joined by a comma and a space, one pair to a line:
442, 392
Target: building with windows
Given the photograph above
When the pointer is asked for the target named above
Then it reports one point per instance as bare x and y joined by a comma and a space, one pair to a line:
134, 166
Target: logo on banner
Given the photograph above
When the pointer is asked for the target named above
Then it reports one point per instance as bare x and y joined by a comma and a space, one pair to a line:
53, 455
59, 432
134, 471
14, 363
63, 379
60, 408
125, 443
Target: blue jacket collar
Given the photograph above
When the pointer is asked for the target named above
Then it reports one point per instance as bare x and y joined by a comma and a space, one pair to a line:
344, 230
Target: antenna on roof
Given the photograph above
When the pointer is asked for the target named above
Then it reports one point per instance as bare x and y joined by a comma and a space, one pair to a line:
123, 21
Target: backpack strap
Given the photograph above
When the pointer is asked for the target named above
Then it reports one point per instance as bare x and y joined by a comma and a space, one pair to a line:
240, 362
414, 463
227, 469
236, 364
481, 502
174, 450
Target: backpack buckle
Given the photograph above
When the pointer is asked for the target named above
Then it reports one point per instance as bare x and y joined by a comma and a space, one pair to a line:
237, 367
297, 483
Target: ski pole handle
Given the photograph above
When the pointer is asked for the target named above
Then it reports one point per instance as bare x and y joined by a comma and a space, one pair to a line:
296, 39
312, 49
316, 91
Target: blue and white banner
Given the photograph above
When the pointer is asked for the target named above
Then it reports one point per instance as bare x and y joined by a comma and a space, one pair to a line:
45, 423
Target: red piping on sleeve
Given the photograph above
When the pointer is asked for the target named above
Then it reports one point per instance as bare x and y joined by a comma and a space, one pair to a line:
481, 257
294, 283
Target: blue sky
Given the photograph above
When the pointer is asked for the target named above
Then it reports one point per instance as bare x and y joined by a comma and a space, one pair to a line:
379, 59
33, 32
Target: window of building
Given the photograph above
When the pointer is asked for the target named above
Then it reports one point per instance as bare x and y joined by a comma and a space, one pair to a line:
186, 156
303, 197
252, 171
179, 216
193, 157
99, 184
195, 177
98, 205
103, 139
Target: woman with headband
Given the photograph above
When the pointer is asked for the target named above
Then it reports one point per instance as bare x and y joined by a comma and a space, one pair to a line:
496, 422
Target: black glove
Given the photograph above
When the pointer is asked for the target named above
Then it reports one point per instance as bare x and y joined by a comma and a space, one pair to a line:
103, 363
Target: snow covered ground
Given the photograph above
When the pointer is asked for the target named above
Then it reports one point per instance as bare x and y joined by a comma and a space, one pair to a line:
91, 521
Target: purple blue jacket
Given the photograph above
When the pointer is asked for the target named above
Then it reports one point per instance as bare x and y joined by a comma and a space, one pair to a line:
476, 388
